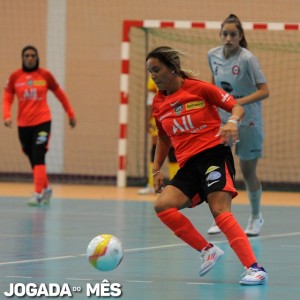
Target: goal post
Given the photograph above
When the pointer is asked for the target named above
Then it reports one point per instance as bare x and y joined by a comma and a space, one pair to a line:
276, 45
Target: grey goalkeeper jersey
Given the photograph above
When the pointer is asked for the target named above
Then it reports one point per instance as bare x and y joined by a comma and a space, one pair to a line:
238, 75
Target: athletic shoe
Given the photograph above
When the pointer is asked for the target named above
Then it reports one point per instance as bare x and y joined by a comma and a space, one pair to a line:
35, 200
47, 193
213, 229
208, 258
146, 191
254, 276
254, 226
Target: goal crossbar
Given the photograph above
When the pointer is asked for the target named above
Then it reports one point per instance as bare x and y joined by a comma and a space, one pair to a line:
125, 69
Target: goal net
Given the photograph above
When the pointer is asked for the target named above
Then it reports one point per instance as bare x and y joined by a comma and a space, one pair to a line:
277, 47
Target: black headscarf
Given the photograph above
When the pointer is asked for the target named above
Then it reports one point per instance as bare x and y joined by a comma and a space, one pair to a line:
26, 69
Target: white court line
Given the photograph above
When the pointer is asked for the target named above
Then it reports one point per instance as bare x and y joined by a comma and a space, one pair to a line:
143, 249
200, 283
139, 281
10, 276
274, 236
154, 248
26, 261
79, 279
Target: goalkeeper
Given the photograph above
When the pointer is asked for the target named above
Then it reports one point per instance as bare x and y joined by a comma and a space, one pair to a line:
30, 84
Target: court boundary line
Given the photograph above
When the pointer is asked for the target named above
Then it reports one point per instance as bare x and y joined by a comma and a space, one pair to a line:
145, 249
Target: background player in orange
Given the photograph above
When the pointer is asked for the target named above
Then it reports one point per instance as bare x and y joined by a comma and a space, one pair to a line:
172, 164
30, 84
185, 110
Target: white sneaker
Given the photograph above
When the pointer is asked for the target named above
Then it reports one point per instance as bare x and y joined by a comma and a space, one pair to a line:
47, 193
254, 276
146, 191
213, 229
35, 200
208, 258
254, 226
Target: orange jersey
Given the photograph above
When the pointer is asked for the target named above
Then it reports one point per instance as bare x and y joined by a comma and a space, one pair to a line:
190, 117
31, 90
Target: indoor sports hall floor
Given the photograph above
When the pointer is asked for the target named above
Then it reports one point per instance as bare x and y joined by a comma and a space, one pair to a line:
48, 245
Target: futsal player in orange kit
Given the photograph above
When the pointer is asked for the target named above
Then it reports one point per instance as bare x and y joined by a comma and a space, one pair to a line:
172, 165
185, 110
30, 84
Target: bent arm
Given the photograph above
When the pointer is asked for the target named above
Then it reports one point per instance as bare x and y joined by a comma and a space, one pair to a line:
162, 149
237, 112
229, 131
261, 93
62, 97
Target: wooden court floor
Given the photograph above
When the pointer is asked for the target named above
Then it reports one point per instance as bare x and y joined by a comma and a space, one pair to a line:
44, 246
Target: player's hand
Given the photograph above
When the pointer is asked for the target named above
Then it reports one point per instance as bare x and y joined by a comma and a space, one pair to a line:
229, 134
158, 180
72, 122
8, 123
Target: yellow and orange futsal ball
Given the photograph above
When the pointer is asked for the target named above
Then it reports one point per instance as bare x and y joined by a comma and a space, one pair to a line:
105, 252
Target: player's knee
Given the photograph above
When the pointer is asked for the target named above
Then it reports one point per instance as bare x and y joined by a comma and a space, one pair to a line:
165, 204
160, 205
219, 203
215, 212
158, 208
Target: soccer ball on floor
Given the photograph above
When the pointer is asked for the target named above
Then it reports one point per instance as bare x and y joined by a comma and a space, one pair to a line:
105, 252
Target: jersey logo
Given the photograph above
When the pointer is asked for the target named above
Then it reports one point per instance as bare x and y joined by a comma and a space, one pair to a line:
226, 86
42, 137
216, 70
186, 124
174, 103
30, 94
225, 97
30, 82
211, 183
213, 176
195, 105
39, 82
212, 168
178, 109
236, 70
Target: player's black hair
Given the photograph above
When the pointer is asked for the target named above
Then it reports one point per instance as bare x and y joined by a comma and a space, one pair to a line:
169, 57
233, 19
30, 47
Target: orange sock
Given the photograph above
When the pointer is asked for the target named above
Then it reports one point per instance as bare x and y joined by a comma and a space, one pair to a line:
40, 178
183, 228
237, 238
46, 182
